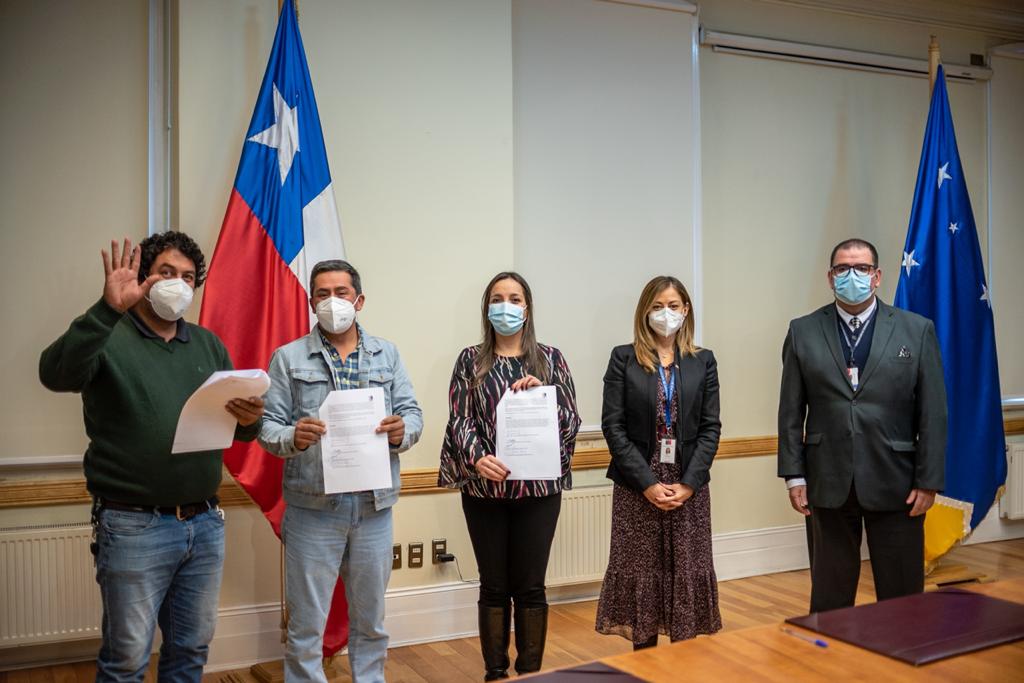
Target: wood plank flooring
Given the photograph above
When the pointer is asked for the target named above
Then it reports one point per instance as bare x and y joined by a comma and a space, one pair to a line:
571, 637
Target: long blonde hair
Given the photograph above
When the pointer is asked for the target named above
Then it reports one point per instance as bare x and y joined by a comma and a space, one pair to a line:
533, 358
643, 336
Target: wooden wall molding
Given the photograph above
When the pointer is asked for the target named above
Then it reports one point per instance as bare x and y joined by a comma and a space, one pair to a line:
21, 493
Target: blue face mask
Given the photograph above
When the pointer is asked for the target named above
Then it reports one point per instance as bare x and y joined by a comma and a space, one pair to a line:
852, 288
506, 318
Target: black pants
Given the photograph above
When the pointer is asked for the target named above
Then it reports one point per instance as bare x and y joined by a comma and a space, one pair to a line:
512, 542
895, 541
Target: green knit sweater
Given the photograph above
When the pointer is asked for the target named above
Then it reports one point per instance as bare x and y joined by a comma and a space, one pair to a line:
133, 388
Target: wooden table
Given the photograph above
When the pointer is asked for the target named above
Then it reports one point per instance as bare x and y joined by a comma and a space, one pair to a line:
764, 653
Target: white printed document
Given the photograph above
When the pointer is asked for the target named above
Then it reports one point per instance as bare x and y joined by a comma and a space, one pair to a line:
527, 438
204, 424
355, 457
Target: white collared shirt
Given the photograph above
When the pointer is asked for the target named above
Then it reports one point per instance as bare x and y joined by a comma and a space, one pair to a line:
864, 316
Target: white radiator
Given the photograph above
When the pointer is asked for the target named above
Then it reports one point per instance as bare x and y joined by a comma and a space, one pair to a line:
1011, 505
580, 550
48, 591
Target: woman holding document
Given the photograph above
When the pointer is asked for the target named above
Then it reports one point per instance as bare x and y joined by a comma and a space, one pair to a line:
660, 420
511, 511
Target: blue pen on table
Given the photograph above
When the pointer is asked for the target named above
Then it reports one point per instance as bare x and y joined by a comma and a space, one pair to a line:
814, 641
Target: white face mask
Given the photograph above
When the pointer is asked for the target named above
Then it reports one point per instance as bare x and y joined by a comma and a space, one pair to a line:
666, 322
335, 315
170, 298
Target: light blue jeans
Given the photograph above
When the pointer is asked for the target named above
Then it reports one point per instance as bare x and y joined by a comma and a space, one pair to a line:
351, 538
152, 569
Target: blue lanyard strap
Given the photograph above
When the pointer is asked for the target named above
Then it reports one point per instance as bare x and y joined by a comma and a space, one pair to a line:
670, 390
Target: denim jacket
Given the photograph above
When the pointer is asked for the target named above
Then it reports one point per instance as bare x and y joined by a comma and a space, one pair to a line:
300, 378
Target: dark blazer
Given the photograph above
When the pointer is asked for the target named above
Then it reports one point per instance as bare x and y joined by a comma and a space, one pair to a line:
629, 418
885, 438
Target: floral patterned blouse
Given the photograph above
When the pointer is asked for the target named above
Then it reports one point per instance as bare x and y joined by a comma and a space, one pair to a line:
471, 425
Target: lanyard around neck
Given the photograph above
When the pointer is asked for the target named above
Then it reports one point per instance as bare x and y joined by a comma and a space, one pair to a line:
669, 384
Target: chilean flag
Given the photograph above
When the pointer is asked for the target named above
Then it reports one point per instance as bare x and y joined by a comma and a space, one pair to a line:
280, 221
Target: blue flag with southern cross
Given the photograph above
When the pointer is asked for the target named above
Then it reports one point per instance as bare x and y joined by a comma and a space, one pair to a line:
942, 278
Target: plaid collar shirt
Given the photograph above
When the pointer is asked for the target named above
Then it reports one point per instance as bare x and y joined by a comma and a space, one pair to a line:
344, 372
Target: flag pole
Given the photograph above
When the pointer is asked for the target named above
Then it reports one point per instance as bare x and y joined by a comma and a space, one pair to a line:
280, 5
933, 64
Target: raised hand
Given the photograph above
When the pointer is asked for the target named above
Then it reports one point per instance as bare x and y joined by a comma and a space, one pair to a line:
122, 289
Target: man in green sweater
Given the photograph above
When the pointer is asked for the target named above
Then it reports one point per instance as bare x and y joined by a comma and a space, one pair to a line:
159, 532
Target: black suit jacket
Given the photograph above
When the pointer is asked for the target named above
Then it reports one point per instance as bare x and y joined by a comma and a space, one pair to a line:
629, 418
885, 438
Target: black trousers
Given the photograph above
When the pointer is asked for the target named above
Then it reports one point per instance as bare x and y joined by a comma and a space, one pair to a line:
512, 542
895, 541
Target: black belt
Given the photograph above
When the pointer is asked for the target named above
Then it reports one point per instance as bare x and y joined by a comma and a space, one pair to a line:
182, 512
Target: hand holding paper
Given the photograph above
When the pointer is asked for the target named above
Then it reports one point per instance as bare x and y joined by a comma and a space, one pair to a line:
527, 433
355, 454
204, 424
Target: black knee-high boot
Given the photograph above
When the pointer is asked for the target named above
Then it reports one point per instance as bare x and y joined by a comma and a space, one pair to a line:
531, 633
494, 638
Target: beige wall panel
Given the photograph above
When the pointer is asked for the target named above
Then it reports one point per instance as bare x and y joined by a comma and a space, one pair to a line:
1005, 272
74, 135
746, 494
797, 157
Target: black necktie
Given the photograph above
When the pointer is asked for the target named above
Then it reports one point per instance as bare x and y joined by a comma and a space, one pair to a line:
855, 328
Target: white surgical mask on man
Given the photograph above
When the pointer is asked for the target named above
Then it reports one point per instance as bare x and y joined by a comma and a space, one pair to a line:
170, 298
335, 315
666, 322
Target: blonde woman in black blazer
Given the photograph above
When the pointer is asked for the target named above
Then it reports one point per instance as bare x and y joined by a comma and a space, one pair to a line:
660, 420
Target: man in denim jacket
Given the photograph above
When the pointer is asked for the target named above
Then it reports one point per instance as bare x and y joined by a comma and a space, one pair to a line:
325, 534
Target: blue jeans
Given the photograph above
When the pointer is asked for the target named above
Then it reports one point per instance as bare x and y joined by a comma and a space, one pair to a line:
353, 539
152, 569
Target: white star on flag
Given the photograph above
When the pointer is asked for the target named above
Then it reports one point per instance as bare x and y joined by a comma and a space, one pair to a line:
943, 175
953, 227
908, 261
283, 135
984, 295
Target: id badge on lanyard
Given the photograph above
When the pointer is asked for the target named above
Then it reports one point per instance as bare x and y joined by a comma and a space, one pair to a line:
667, 445
853, 372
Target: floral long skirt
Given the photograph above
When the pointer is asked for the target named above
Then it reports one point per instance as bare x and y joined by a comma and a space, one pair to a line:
660, 577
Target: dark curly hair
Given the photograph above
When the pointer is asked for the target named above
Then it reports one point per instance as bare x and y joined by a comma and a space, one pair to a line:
154, 245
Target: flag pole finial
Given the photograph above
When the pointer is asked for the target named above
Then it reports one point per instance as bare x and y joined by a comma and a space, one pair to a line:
933, 63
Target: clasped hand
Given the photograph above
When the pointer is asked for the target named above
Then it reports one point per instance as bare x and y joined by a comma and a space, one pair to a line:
668, 496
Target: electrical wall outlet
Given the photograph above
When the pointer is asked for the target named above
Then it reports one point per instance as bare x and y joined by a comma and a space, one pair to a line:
415, 555
438, 546
396, 556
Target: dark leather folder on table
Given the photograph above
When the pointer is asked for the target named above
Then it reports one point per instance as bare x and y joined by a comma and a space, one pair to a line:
923, 628
595, 672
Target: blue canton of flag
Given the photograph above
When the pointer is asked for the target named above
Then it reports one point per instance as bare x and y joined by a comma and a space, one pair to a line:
942, 278
283, 173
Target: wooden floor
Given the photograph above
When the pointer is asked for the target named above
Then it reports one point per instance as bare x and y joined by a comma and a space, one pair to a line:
571, 636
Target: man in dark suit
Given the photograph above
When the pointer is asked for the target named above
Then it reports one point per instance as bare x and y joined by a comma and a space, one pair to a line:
862, 432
